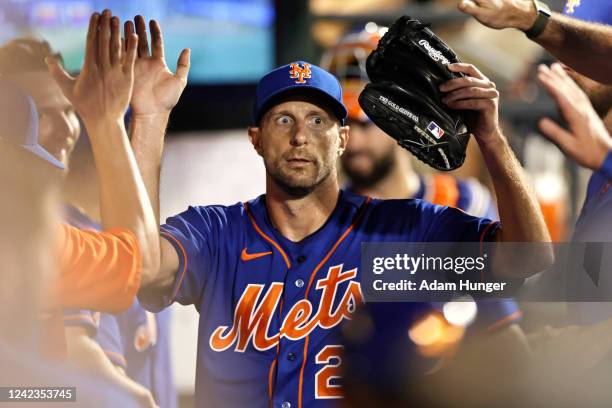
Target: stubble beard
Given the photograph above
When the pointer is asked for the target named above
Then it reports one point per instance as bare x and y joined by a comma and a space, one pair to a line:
300, 188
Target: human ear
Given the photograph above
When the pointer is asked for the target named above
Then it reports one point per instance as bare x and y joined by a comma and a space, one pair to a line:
344, 138
255, 138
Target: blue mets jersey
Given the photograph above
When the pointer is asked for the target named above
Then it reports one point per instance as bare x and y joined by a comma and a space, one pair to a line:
270, 308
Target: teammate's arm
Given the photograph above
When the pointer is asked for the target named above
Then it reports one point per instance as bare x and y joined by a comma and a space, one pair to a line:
518, 208
586, 47
98, 270
86, 353
156, 91
101, 94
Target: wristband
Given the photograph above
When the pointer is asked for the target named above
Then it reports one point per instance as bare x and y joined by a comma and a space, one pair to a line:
543, 12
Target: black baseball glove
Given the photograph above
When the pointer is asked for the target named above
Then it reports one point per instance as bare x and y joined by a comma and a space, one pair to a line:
404, 100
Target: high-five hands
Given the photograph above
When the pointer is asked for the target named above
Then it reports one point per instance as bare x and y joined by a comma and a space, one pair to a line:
586, 139
103, 88
498, 14
156, 89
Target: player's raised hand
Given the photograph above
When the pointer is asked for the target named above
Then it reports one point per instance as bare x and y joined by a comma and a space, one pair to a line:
156, 89
500, 14
103, 88
474, 92
586, 139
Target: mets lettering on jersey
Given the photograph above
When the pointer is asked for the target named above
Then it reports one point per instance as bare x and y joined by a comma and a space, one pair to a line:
270, 308
253, 317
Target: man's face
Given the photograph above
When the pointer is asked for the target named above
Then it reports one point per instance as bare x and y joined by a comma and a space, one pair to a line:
299, 142
370, 154
58, 128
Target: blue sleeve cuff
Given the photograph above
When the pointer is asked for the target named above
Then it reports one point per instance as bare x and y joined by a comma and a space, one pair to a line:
157, 305
606, 167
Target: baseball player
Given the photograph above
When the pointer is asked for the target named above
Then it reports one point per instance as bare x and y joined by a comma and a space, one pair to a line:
136, 342
29, 176
23, 62
273, 278
586, 141
86, 256
83, 253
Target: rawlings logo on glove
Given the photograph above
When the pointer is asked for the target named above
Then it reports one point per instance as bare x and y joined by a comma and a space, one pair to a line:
433, 53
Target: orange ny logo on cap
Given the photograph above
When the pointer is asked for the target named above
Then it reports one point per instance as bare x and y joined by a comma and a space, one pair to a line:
300, 73
571, 4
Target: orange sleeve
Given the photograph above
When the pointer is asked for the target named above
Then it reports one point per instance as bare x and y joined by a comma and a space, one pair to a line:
98, 270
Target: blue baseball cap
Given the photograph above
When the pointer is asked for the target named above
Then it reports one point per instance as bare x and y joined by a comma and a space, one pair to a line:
596, 11
19, 122
301, 78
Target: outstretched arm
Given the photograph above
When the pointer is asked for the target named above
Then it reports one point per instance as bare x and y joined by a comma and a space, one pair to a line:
586, 47
156, 91
101, 94
519, 211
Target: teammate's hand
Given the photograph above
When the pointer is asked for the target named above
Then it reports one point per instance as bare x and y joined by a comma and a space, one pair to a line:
586, 140
103, 88
474, 92
156, 89
500, 14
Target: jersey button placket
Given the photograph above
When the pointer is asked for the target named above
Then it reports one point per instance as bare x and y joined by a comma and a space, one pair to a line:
299, 283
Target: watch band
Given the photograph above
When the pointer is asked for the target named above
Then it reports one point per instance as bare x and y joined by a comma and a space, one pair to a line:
538, 27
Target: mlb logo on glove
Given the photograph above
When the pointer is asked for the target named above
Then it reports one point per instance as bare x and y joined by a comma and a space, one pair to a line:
435, 130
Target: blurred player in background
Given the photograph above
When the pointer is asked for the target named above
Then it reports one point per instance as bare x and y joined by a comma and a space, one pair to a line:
136, 342
126, 349
586, 140
30, 207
